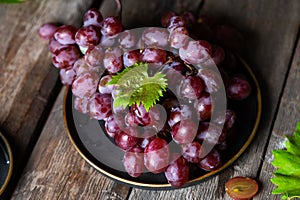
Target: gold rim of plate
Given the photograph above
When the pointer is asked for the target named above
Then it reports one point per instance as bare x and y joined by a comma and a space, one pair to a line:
167, 185
10, 164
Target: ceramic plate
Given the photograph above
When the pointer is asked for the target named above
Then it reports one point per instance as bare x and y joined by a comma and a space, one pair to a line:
90, 141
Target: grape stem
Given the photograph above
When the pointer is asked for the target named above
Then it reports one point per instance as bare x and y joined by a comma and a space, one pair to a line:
119, 9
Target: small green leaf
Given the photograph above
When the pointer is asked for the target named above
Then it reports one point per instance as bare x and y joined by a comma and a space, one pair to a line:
288, 163
134, 86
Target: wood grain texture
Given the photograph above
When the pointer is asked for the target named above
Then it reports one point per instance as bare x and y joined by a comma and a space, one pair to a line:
56, 171
269, 46
28, 81
286, 121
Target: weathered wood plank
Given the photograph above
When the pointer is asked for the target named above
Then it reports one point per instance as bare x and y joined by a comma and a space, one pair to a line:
56, 171
270, 41
28, 81
286, 120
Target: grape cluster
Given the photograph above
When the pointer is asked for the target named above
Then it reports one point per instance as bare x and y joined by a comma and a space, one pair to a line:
88, 58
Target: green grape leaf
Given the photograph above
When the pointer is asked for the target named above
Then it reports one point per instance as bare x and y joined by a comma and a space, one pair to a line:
134, 86
287, 162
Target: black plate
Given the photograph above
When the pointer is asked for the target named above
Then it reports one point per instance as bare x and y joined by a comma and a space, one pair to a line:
93, 145
5, 163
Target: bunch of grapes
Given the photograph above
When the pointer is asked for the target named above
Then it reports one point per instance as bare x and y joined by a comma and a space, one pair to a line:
89, 57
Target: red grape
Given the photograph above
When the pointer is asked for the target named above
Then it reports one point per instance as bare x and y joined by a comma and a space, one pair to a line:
130, 120
196, 52
80, 67
131, 57
184, 131
100, 106
88, 36
127, 39
125, 141
218, 56
112, 60
92, 17
65, 34
54, 45
211, 133
179, 113
211, 162
67, 76
113, 125
103, 88
111, 26
212, 79
191, 87
147, 135
65, 56
133, 161
155, 37
94, 56
178, 37
165, 19
204, 107
46, 31
156, 157
81, 105
85, 85
229, 120
239, 88
157, 56
178, 172
241, 188
193, 152
176, 21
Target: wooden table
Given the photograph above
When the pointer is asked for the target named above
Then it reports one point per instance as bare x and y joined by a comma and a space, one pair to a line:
47, 166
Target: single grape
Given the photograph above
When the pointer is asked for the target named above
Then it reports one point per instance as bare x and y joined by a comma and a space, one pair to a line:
112, 60
241, 187
133, 161
141, 116
212, 161
47, 30
127, 39
229, 120
178, 172
165, 19
80, 67
131, 57
54, 45
94, 56
212, 79
189, 18
184, 131
65, 34
204, 107
88, 36
85, 85
191, 87
125, 141
107, 41
113, 125
67, 76
196, 52
176, 21
81, 105
103, 87
193, 152
111, 26
92, 17
211, 133
178, 37
155, 37
239, 88
179, 113
157, 56
100, 106
65, 56
156, 157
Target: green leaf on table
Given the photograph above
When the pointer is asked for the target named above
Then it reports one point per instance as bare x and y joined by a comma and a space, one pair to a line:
135, 86
287, 176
